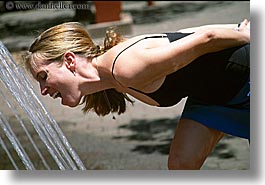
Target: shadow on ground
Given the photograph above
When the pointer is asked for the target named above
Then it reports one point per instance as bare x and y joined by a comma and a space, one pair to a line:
154, 135
156, 14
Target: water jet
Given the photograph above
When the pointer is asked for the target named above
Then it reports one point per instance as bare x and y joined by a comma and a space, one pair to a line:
30, 138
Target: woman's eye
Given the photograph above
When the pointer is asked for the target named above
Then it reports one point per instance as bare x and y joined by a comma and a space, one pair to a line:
43, 76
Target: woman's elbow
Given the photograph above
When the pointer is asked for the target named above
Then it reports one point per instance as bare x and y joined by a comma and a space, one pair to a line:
209, 35
206, 41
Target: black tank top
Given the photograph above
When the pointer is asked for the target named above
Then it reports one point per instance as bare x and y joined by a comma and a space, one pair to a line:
213, 78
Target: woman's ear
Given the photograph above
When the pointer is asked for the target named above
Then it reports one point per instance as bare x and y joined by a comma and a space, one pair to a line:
70, 61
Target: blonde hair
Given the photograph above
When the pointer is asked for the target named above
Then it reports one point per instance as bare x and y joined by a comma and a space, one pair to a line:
51, 45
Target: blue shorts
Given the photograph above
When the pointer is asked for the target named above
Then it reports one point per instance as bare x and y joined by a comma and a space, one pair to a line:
232, 118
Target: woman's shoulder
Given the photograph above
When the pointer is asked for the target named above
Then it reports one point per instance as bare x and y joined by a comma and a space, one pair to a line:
142, 41
131, 53
145, 36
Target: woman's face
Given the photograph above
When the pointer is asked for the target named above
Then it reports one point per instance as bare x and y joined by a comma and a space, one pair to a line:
59, 82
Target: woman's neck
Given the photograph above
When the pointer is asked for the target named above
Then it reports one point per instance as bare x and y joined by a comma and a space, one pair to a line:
93, 76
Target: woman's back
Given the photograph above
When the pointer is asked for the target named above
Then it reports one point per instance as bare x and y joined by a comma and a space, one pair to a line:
212, 78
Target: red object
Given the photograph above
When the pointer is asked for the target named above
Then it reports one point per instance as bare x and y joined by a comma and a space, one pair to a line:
150, 3
107, 11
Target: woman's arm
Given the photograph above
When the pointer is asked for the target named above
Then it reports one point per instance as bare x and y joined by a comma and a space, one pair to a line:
199, 28
145, 66
204, 27
185, 50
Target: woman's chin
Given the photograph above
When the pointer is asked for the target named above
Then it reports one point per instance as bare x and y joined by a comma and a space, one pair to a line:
69, 103
72, 105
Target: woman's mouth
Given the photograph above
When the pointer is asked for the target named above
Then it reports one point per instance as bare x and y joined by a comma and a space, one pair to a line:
56, 95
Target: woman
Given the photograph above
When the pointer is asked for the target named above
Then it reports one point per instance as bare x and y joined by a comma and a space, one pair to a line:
68, 65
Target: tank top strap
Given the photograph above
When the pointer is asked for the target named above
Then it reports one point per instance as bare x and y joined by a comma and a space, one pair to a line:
147, 37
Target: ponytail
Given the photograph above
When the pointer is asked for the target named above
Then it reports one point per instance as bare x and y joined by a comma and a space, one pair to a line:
112, 101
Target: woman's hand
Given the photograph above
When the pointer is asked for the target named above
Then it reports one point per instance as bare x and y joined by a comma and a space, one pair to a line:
244, 28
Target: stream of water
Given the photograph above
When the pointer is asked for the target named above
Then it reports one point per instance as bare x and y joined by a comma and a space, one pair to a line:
17, 93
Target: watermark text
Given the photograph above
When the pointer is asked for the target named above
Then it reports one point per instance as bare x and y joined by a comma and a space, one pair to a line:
58, 5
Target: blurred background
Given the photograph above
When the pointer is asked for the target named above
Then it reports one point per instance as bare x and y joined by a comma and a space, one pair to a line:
140, 138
